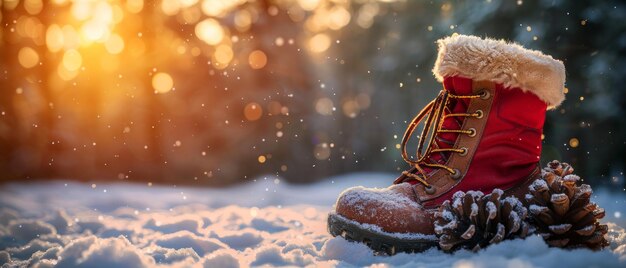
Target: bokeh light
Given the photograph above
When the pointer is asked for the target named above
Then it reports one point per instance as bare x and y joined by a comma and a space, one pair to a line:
350, 108
223, 55
257, 59
170, 7
33, 7
162, 82
321, 151
243, 20
324, 106
28, 57
66, 74
210, 31
319, 43
115, 44
253, 111
308, 4
72, 60
54, 38
573, 142
71, 38
134, 6
339, 18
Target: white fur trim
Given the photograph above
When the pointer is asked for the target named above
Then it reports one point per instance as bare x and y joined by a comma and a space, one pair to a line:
506, 63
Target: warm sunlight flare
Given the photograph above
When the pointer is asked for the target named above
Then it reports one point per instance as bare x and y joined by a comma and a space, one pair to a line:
134, 69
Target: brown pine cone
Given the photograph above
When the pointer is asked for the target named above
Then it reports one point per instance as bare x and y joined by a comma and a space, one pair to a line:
561, 212
474, 220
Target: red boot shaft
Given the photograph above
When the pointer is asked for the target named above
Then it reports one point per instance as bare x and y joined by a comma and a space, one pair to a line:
510, 144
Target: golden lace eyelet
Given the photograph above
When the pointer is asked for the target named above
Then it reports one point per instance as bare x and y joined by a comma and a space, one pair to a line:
430, 189
472, 132
479, 114
456, 175
484, 94
464, 152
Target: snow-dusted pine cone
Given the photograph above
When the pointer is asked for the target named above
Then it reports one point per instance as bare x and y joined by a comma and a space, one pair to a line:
474, 220
561, 212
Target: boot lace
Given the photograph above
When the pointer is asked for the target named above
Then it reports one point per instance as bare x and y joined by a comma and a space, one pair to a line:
434, 114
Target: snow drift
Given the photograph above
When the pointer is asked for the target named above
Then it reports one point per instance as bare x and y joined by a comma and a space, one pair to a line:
263, 223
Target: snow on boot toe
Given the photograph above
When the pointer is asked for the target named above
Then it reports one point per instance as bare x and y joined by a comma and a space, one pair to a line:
393, 209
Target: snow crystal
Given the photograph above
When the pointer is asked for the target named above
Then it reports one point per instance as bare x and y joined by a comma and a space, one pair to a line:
585, 188
458, 195
242, 240
475, 194
557, 197
361, 198
498, 191
268, 226
491, 208
377, 229
340, 249
26, 230
538, 184
535, 209
560, 228
475, 209
514, 217
91, 251
33, 246
221, 258
7, 215
512, 200
4, 257
448, 215
273, 255
61, 221
186, 239
172, 225
458, 201
587, 228
169, 256
571, 177
528, 196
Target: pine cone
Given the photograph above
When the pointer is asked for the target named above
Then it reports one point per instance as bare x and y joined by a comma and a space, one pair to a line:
561, 210
474, 220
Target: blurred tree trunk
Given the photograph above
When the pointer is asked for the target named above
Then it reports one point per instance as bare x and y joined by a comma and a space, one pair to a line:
8, 119
49, 141
288, 73
153, 169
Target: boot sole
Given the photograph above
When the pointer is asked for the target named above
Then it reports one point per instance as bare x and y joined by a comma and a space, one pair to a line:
379, 241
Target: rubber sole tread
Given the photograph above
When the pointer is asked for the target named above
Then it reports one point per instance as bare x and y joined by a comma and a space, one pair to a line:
380, 243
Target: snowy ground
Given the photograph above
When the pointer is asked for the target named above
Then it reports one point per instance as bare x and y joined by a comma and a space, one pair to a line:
265, 223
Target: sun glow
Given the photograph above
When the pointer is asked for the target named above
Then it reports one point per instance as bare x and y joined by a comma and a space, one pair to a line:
88, 27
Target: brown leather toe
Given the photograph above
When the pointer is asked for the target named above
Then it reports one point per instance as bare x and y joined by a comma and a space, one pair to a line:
394, 209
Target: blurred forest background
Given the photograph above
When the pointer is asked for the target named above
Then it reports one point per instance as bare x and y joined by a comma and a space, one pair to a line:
213, 92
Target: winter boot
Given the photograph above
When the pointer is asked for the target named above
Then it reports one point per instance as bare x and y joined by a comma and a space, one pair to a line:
482, 132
